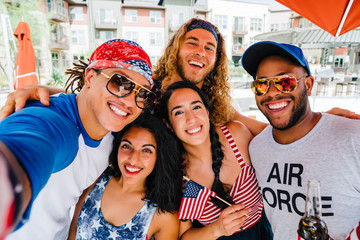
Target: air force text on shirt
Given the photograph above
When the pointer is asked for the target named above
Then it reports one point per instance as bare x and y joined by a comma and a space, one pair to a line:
289, 174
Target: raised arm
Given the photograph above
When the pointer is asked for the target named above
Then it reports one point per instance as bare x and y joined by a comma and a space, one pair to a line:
17, 100
254, 126
343, 113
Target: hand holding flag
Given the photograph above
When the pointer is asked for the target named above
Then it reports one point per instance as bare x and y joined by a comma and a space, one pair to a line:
194, 200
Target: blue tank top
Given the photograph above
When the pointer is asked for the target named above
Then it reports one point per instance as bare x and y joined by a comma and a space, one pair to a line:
92, 225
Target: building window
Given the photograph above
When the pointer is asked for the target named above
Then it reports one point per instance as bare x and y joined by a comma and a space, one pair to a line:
78, 37
106, 35
239, 24
237, 43
131, 16
133, 36
155, 17
339, 62
50, 5
220, 21
58, 34
285, 26
55, 59
61, 7
64, 61
155, 38
274, 27
76, 14
302, 23
106, 16
178, 19
77, 58
256, 24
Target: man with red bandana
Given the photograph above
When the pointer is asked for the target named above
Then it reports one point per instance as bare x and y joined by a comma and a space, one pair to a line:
300, 145
51, 154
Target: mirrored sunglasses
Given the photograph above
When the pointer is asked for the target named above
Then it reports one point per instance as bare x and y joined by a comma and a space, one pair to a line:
283, 83
121, 86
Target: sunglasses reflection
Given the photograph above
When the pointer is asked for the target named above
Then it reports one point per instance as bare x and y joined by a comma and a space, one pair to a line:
121, 86
283, 83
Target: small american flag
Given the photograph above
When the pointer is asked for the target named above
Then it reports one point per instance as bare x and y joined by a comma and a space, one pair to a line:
355, 233
193, 201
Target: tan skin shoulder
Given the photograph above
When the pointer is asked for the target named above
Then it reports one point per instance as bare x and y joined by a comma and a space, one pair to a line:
164, 226
254, 126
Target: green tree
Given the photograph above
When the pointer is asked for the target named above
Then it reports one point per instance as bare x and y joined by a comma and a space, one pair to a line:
30, 12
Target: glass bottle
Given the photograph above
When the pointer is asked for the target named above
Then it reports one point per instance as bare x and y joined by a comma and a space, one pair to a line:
311, 226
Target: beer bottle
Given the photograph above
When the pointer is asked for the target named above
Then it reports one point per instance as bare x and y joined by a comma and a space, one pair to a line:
311, 226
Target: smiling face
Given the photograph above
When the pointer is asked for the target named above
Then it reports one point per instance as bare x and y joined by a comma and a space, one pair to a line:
197, 56
283, 110
137, 155
188, 117
104, 112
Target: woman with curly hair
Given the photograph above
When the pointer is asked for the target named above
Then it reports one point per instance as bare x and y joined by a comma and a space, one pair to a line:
216, 158
138, 195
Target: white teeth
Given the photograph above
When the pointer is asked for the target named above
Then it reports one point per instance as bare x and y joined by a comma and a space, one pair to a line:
130, 169
194, 130
279, 105
196, 63
118, 111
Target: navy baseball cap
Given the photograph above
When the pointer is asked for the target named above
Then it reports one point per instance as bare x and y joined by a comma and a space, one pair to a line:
258, 51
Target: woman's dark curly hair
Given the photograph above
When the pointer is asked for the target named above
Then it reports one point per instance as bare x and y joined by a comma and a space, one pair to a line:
164, 184
162, 112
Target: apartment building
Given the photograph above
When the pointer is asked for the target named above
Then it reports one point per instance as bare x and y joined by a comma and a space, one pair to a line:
77, 27
79, 37
239, 22
145, 23
58, 18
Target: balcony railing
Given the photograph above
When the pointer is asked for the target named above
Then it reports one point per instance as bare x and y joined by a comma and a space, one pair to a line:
56, 12
106, 23
59, 42
240, 30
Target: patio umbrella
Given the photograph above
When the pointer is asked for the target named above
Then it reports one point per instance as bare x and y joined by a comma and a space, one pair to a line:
334, 16
25, 59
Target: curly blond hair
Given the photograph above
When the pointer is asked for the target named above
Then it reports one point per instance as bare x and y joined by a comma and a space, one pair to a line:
216, 86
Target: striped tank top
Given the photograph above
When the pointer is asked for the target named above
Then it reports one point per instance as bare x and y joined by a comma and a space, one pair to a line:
245, 190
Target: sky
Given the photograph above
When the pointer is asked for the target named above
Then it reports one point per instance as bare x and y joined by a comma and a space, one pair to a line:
273, 5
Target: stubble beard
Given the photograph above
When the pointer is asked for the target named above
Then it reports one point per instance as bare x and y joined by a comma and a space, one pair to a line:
297, 114
182, 74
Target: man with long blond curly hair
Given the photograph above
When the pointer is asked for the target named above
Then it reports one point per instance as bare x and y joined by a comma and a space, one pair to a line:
196, 53
214, 81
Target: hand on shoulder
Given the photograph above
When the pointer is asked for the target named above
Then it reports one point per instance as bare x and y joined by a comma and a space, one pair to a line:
17, 100
343, 113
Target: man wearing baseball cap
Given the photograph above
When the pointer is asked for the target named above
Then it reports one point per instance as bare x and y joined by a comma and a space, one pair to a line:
300, 145
53, 153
